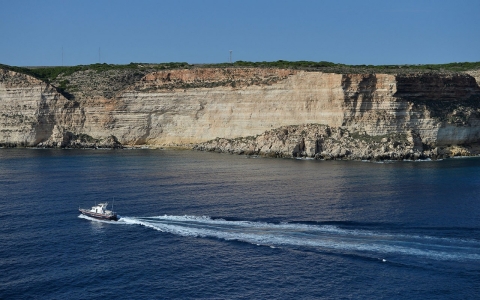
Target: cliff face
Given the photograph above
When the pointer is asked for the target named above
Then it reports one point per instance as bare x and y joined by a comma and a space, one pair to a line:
442, 109
182, 107
33, 113
30, 109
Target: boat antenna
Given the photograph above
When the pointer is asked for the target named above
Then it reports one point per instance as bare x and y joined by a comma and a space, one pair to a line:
113, 202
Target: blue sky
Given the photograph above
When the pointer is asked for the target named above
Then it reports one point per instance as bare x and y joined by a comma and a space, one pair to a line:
33, 33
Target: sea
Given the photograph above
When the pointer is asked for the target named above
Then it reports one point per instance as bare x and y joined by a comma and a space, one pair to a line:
197, 225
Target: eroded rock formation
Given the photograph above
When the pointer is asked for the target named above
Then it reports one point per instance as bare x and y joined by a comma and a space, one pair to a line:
325, 142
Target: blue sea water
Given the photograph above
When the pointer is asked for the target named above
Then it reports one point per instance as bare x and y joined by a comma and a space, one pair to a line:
200, 225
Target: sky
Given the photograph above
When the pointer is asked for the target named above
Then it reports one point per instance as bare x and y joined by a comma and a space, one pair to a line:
376, 32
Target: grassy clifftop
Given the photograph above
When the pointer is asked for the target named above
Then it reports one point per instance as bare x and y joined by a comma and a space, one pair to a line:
325, 66
49, 74
104, 80
93, 80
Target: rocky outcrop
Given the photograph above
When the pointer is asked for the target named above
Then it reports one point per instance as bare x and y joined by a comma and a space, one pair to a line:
193, 106
66, 139
333, 143
475, 74
209, 78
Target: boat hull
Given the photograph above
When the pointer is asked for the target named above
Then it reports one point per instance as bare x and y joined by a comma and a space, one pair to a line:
98, 216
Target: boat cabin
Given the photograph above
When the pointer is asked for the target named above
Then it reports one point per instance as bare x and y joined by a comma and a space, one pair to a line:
99, 208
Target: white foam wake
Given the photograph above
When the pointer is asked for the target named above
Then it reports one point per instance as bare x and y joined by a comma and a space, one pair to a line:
319, 236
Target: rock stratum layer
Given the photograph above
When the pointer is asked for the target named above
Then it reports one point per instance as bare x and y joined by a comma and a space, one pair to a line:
278, 112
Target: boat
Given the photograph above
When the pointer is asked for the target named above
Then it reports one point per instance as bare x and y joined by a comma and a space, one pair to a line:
100, 212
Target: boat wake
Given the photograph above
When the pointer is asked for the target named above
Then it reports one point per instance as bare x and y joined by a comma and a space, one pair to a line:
323, 237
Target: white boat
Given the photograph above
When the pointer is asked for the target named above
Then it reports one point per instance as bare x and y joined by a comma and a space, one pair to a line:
100, 211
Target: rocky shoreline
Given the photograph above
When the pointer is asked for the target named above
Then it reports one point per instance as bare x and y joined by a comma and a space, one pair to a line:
80, 141
324, 142
307, 141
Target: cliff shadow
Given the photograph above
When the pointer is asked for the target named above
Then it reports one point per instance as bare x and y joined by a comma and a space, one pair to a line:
45, 121
358, 90
452, 99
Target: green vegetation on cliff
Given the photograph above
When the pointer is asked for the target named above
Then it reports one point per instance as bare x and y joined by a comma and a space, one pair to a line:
105, 80
326, 66
96, 79
49, 74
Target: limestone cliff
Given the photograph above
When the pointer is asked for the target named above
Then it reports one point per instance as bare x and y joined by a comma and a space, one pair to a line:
30, 109
193, 106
